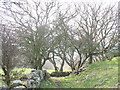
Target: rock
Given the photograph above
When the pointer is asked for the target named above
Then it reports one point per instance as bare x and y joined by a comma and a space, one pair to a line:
17, 81
47, 75
31, 84
35, 79
17, 84
36, 76
25, 77
60, 74
4, 87
32, 80
20, 87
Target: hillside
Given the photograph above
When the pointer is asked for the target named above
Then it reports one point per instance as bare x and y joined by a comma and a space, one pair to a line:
97, 75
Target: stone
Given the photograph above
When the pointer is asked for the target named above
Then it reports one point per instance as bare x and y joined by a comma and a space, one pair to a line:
24, 77
17, 81
17, 84
32, 80
4, 87
36, 77
47, 75
60, 74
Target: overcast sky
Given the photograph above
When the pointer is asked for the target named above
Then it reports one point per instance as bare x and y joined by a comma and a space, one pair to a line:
110, 1
105, 2
70, 1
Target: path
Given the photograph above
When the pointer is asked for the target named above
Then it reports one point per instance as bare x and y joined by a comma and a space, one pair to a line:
57, 82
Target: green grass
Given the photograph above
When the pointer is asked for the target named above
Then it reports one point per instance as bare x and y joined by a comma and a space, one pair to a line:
48, 84
25, 71
98, 75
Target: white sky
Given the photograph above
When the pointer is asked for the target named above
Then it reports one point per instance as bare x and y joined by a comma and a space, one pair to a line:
70, 1
97, 1
106, 2
90, 1
110, 1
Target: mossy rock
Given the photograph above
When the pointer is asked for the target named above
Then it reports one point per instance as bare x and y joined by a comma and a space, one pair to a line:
60, 74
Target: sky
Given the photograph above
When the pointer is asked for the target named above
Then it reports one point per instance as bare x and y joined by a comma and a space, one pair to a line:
70, 1
89, 0
105, 2
108, 1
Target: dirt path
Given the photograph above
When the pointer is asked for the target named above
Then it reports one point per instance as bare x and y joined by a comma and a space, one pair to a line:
57, 82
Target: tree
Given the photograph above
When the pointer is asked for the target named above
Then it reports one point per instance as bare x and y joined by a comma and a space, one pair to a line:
48, 30
33, 20
9, 50
61, 40
96, 29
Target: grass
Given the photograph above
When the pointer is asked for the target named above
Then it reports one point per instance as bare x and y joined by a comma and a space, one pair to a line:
98, 75
48, 84
26, 71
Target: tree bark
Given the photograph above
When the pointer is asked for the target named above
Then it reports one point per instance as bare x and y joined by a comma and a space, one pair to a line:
61, 68
90, 58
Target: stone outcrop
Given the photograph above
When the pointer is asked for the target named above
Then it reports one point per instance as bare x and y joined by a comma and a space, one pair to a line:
32, 80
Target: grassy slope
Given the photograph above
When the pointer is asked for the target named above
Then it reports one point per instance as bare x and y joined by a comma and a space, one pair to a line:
98, 75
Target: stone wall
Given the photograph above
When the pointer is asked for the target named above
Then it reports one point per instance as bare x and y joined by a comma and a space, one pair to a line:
32, 80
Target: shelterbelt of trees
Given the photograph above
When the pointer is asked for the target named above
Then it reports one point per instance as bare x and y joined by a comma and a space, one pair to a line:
36, 32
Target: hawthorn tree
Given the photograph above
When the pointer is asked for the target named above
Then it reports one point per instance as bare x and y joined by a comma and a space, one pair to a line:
9, 48
33, 21
96, 30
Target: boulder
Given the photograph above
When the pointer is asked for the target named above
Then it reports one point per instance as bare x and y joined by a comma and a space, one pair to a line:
32, 80
36, 76
60, 74
17, 84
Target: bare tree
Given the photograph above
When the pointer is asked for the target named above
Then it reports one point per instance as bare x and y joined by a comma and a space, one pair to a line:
62, 29
48, 30
9, 51
33, 20
96, 29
